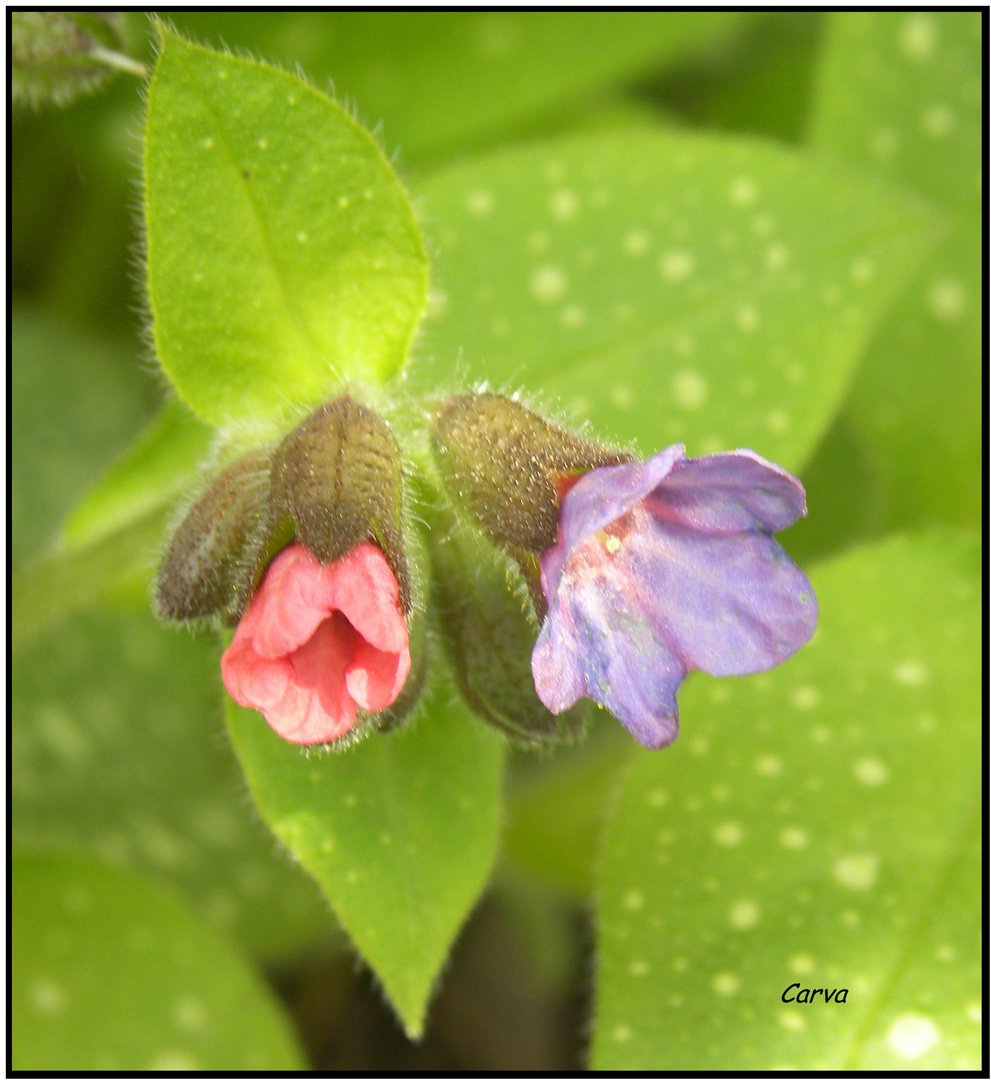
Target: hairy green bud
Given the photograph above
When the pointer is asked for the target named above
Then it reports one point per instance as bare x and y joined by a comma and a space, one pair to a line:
338, 478
220, 548
503, 463
489, 632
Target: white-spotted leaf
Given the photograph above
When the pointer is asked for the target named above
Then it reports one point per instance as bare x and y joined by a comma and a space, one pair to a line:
813, 825
900, 95
112, 973
668, 287
400, 832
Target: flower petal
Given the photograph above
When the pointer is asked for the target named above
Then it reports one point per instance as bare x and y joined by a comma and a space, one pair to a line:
253, 681
598, 499
727, 605
295, 596
556, 662
306, 653
318, 674
366, 591
729, 493
593, 645
374, 678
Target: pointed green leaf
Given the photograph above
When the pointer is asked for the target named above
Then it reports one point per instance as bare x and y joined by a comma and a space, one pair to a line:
400, 832
111, 541
47, 590
77, 399
118, 750
282, 253
159, 465
814, 825
110, 972
900, 95
668, 287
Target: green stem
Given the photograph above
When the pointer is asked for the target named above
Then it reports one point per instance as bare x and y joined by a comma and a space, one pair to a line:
118, 61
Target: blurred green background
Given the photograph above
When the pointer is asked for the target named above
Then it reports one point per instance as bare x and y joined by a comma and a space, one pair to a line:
113, 759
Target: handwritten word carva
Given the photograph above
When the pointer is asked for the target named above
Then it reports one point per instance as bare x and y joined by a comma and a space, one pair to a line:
806, 996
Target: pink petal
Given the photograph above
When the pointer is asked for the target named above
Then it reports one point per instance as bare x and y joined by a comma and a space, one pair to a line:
300, 718
253, 681
317, 641
366, 591
374, 678
296, 596
320, 665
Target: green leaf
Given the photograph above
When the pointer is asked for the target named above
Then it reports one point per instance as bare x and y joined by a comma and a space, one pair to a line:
48, 590
109, 972
400, 832
814, 824
556, 807
843, 491
668, 287
110, 543
441, 82
282, 253
764, 86
900, 94
58, 55
118, 750
949, 937
158, 466
77, 401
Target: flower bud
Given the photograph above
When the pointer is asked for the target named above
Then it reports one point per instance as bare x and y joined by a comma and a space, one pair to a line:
504, 463
338, 478
220, 548
489, 634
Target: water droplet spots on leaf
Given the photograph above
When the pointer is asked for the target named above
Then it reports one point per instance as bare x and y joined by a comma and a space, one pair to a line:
871, 772
726, 983
743, 191
917, 37
548, 284
728, 833
858, 871
910, 1036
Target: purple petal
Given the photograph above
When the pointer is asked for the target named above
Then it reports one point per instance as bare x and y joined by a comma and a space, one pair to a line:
592, 645
728, 493
598, 499
727, 605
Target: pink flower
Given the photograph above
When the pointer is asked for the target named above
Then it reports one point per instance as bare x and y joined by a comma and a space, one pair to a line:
319, 641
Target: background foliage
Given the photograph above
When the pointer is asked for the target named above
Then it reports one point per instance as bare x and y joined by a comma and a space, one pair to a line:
732, 230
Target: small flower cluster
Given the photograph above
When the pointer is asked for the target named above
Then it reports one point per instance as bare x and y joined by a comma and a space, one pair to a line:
633, 573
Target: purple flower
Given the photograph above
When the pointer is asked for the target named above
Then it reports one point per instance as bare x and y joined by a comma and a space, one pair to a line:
662, 567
